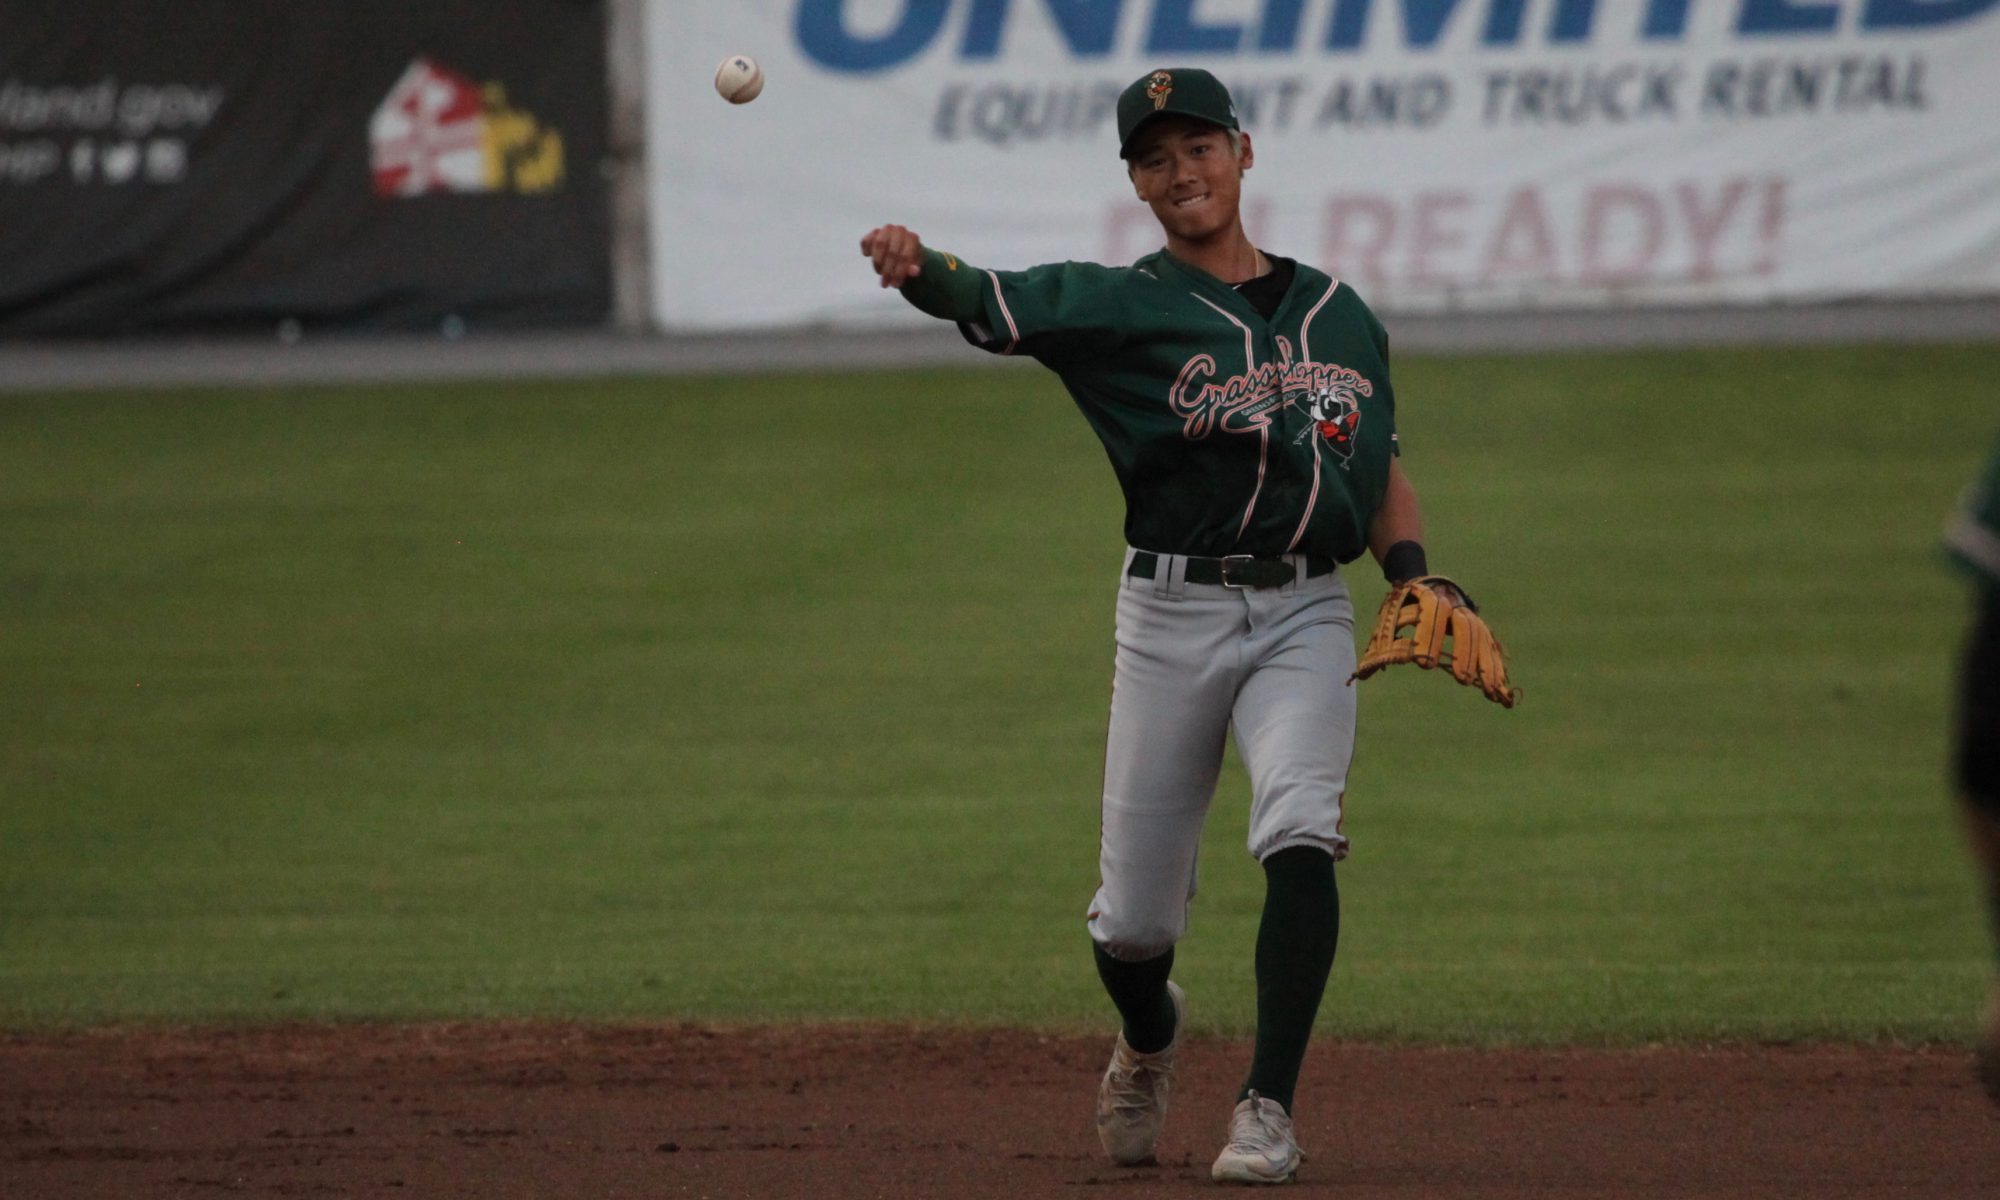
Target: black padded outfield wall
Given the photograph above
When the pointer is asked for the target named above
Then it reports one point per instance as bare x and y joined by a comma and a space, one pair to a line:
235, 165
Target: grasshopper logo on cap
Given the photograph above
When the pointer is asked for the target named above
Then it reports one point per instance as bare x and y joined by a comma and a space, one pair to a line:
1158, 88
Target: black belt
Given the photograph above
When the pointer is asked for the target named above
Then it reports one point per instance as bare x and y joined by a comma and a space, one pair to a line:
1237, 570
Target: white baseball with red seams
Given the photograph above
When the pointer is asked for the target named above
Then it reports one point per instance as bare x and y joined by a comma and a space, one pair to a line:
739, 79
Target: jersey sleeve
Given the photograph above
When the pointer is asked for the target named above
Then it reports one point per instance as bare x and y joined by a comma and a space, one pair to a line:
946, 288
1056, 313
1972, 536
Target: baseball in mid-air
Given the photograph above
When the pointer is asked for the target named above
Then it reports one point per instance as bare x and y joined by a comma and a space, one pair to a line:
739, 79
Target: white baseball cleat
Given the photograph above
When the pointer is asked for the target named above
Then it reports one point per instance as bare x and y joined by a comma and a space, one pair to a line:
1262, 1148
1132, 1098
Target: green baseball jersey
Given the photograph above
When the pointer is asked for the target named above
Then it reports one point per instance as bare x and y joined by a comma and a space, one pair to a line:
1973, 537
1229, 433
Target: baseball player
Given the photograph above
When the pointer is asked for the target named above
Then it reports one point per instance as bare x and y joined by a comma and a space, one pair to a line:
1973, 538
1244, 401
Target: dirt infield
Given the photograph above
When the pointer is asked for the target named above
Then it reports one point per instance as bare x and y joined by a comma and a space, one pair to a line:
562, 1111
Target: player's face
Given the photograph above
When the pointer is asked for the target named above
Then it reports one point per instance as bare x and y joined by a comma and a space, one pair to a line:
1187, 172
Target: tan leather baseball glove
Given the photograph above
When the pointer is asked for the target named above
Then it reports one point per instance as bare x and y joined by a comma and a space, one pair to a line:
1431, 622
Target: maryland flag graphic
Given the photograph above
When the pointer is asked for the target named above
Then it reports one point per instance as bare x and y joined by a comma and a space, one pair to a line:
438, 131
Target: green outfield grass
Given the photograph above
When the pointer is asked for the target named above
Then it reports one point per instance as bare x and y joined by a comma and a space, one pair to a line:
783, 697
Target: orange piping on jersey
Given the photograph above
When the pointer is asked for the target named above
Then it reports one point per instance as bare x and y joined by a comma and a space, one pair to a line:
1013, 330
1305, 326
1311, 499
1264, 431
1305, 356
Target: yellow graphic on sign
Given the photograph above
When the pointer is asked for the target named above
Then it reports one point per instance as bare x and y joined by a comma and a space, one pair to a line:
521, 156
439, 131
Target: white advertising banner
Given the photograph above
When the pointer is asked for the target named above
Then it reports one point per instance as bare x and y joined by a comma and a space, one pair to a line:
1437, 154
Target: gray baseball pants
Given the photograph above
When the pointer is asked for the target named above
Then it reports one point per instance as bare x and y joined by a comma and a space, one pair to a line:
1193, 661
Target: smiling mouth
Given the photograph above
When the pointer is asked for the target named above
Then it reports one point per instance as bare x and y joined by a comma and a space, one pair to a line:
1190, 201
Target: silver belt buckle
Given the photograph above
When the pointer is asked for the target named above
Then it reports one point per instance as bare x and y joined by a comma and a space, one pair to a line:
1228, 582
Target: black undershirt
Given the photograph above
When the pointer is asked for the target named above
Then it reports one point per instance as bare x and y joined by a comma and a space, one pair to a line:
1267, 291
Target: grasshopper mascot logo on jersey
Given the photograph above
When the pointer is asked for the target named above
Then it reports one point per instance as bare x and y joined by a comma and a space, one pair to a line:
1329, 393
1336, 417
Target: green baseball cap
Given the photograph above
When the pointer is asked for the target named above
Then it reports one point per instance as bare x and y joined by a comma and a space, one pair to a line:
1189, 91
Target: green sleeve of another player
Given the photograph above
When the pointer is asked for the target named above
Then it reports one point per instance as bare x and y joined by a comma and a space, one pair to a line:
1973, 536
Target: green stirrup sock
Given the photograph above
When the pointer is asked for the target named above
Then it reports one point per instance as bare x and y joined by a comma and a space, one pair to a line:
1140, 991
1295, 945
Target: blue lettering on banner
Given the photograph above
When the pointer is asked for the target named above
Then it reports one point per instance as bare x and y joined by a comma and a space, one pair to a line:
1573, 19
1666, 18
1176, 31
1911, 14
1423, 21
823, 35
1503, 22
1786, 16
1089, 28
1279, 30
